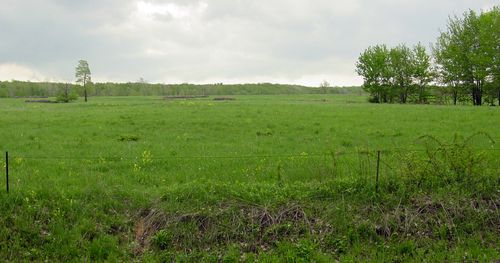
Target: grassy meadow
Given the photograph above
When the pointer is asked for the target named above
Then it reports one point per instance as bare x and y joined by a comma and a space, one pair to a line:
287, 178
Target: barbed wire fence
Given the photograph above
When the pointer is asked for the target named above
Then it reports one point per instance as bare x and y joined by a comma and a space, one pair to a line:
369, 164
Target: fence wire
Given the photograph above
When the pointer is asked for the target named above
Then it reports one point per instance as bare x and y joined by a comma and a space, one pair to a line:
155, 170
337, 153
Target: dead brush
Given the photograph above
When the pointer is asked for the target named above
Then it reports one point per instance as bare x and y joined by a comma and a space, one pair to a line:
425, 217
149, 223
253, 227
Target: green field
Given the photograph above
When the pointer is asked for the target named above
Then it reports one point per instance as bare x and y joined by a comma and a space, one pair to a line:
260, 178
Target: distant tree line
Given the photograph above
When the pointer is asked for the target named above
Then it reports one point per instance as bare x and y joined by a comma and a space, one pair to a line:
464, 66
12, 89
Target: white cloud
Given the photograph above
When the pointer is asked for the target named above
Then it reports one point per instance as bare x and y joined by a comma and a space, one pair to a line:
17, 72
151, 11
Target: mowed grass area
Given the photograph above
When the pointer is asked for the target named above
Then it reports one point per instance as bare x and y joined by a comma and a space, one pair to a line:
268, 178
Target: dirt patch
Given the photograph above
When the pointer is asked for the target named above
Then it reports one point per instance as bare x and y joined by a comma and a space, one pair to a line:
128, 138
224, 98
31, 97
40, 101
185, 97
313, 100
264, 133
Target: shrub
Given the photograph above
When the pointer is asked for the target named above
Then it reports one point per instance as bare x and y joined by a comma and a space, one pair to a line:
66, 95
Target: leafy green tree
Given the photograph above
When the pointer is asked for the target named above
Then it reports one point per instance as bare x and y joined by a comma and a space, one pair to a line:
82, 74
422, 72
65, 94
448, 67
401, 68
489, 34
373, 66
467, 52
395, 74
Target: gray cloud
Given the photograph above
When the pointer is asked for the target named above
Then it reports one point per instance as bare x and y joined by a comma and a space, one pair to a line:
296, 41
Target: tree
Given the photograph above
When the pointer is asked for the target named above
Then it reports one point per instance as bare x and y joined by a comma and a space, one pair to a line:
324, 86
373, 66
401, 70
82, 74
422, 72
489, 33
467, 52
65, 94
3, 90
449, 67
396, 74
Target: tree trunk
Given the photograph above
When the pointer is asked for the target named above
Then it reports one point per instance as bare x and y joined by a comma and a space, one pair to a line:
474, 96
85, 86
66, 93
498, 94
421, 95
479, 93
402, 96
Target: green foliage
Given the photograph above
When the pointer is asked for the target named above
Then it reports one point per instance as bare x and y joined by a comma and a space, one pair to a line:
373, 66
454, 161
103, 248
396, 74
84, 198
467, 53
162, 240
27, 89
12, 89
422, 73
467, 63
82, 72
66, 94
401, 68
3, 90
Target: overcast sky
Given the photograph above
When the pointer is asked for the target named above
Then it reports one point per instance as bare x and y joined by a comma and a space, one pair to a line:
208, 41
